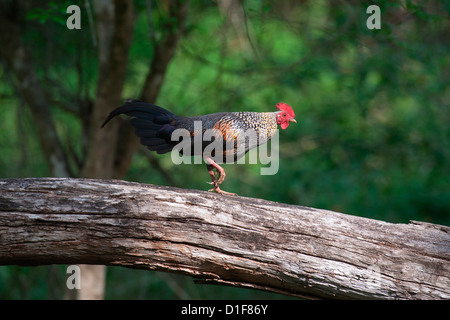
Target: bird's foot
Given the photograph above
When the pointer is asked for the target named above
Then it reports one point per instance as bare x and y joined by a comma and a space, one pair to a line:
216, 181
220, 191
219, 179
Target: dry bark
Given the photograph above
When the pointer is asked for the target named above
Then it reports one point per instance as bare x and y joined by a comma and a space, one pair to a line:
108, 151
230, 240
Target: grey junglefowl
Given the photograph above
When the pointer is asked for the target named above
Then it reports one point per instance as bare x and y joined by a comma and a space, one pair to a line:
234, 132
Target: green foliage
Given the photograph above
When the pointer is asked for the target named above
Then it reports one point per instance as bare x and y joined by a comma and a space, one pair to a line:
53, 11
373, 109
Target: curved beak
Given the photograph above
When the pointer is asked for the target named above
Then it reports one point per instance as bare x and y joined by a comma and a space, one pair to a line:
293, 120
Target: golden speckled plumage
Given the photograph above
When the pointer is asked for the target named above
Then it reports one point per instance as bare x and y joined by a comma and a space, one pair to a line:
241, 131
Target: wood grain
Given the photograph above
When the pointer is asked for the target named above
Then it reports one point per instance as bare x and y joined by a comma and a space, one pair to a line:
219, 239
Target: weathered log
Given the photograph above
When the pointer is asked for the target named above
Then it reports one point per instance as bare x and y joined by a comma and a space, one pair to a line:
219, 239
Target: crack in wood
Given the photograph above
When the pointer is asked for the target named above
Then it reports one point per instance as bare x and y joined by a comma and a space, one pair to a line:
234, 241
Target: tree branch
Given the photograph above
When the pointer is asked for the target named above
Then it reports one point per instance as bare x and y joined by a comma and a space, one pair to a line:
237, 241
115, 23
164, 50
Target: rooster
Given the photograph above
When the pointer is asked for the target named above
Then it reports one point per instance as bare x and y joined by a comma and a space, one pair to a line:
156, 128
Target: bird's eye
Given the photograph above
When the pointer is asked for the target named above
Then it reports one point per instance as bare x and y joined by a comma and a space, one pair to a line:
284, 114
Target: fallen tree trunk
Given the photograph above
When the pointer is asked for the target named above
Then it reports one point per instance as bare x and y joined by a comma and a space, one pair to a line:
229, 240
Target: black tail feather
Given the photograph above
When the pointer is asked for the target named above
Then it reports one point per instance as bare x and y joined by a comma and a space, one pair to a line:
153, 125
141, 110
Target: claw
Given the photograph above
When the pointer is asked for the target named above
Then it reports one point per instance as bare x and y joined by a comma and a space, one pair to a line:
220, 191
211, 165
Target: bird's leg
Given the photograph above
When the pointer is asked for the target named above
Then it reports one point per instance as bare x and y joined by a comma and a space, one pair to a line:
211, 164
212, 175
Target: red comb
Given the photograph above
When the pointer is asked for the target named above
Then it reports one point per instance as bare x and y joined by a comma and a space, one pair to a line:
287, 108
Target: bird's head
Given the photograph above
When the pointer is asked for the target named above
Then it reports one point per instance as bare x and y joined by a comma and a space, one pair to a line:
285, 115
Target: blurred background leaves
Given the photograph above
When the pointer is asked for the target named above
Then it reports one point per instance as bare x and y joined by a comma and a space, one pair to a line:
373, 110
